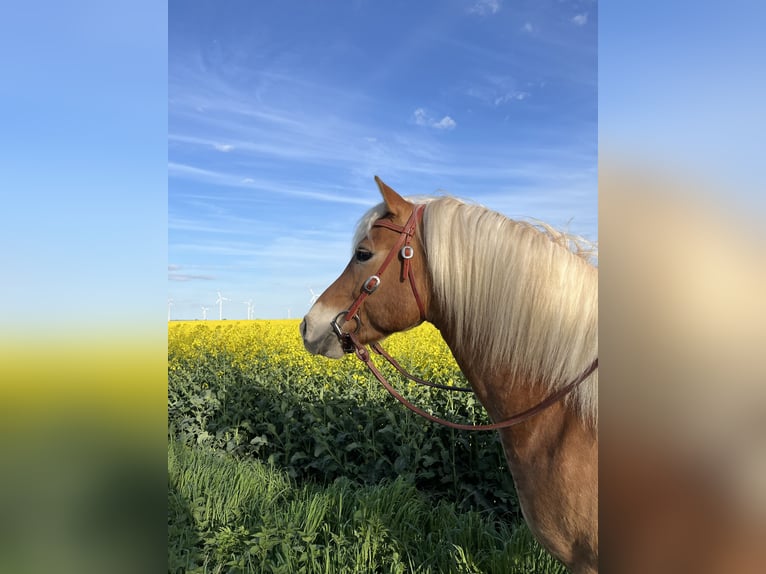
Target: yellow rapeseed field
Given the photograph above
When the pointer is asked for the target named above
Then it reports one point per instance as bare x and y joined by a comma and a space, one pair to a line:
277, 343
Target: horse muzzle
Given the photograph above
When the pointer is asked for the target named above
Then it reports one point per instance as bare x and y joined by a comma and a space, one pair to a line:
319, 334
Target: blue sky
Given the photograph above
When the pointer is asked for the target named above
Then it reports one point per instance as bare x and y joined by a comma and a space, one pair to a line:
83, 166
281, 113
92, 220
681, 86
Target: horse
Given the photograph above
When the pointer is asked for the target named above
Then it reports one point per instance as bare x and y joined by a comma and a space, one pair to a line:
517, 304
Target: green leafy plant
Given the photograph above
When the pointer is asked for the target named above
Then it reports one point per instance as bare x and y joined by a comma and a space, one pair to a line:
283, 462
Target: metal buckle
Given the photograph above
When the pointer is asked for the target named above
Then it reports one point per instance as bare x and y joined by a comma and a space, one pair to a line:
372, 283
407, 252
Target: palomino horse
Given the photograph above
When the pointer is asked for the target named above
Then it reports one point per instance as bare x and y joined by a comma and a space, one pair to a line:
518, 306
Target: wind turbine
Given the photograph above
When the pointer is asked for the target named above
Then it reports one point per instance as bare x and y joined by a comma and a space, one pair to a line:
314, 297
170, 304
204, 313
249, 304
220, 301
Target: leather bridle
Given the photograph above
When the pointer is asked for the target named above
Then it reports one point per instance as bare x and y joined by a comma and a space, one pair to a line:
351, 344
406, 252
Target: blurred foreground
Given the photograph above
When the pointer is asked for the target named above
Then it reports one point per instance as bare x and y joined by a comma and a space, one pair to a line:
683, 398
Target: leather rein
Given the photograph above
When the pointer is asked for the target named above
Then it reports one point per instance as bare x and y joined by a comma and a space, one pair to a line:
351, 344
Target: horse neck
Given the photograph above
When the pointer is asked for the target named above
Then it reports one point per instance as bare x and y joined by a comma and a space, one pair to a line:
504, 397
524, 365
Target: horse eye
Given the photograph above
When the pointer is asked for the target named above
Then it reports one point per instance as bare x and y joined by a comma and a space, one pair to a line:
362, 255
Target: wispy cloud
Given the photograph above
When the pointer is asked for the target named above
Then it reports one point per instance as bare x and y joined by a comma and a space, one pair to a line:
296, 134
186, 224
182, 277
528, 27
189, 172
174, 275
423, 118
580, 19
282, 251
498, 90
512, 96
446, 123
264, 137
223, 147
484, 7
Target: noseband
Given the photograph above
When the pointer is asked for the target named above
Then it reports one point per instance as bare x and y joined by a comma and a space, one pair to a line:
406, 252
351, 344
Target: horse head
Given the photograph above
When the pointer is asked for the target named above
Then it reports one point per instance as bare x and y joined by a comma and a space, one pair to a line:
383, 289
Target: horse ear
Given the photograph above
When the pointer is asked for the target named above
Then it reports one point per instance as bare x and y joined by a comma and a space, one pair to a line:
396, 204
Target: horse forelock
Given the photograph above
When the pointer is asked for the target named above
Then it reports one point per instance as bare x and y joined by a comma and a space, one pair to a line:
373, 214
523, 295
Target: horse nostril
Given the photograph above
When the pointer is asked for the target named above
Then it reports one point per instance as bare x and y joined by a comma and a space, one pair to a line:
303, 328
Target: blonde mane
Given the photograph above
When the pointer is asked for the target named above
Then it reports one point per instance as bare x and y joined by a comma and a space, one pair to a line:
523, 296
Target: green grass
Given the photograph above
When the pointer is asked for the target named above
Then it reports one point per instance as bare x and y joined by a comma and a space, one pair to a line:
228, 514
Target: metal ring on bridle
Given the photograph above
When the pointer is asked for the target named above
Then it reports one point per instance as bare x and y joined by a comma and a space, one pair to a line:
339, 329
407, 252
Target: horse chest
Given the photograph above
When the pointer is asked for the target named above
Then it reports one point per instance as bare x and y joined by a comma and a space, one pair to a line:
557, 485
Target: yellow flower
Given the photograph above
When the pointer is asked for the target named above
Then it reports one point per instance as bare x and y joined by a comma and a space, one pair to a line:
275, 347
